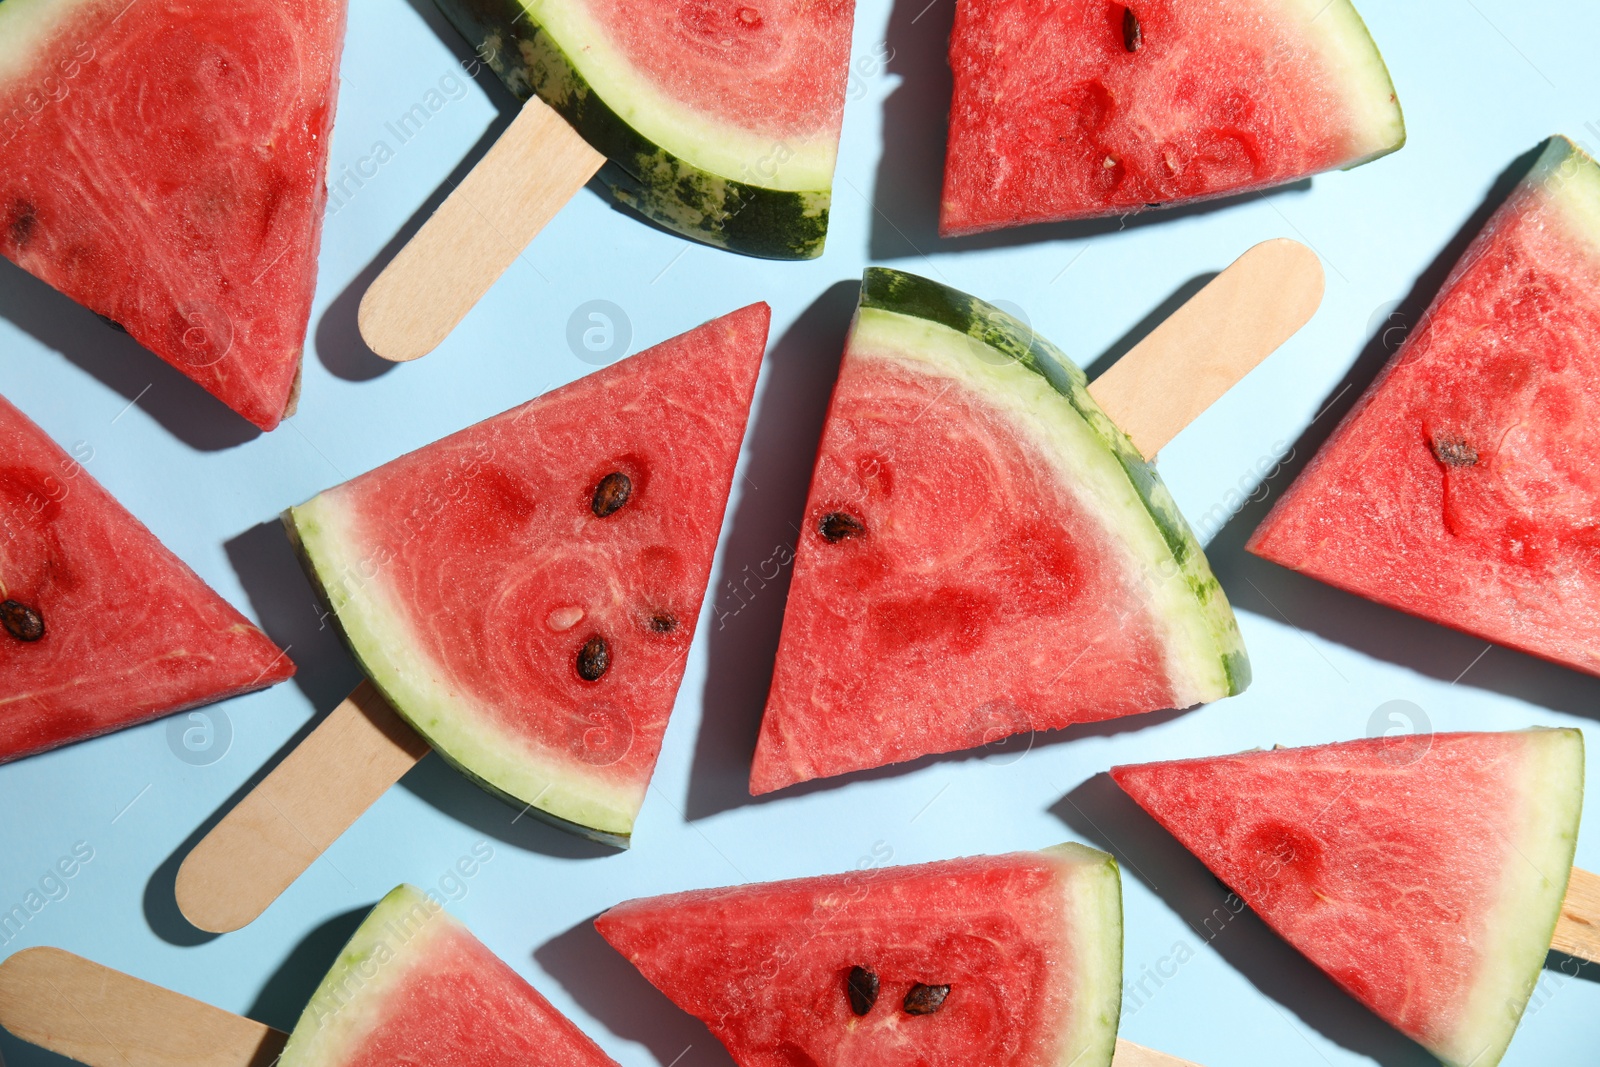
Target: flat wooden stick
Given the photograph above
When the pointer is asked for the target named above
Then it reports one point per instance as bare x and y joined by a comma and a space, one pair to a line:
1131, 1055
281, 827
105, 1018
529, 174
1185, 365
1578, 929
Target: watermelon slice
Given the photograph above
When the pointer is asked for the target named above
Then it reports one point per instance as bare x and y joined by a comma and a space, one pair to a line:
1462, 487
984, 553
162, 163
101, 626
414, 986
1091, 107
1004, 961
1424, 874
721, 118
525, 591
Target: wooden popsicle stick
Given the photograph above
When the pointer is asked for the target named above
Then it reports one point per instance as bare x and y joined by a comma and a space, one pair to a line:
530, 173
105, 1018
1131, 1055
1185, 365
289, 819
1578, 929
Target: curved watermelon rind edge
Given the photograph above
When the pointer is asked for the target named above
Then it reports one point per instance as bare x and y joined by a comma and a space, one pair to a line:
1095, 902
334, 1021
1521, 927
305, 532
898, 292
663, 187
1359, 39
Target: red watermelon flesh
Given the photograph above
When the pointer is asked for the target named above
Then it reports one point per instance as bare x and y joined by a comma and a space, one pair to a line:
1463, 487
128, 631
789, 56
1424, 873
471, 576
1029, 944
163, 164
414, 987
1079, 108
1002, 574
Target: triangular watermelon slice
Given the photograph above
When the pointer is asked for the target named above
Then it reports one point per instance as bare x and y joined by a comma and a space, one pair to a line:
162, 163
983, 553
101, 626
413, 986
999, 961
1463, 487
525, 591
1425, 874
720, 120
1090, 107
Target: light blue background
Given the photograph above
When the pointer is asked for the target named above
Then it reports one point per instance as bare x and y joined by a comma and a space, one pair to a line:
1482, 82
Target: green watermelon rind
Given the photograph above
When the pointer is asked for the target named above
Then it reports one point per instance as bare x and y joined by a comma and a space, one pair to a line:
1204, 634
350, 999
375, 635
663, 186
1570, 178
1516, 940
1350, 49
1093, 885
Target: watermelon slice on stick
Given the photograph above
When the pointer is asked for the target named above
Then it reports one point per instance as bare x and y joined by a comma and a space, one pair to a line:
720, 120
412, 986
523, 593
987, 549
1462, 488
1005, 961
1425, 874
101, 626
163, 164
1087, 108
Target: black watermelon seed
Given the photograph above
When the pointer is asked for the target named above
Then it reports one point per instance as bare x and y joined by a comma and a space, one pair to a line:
21, 621
612, 492
837, 526
22, 225
862, 985
925, 999
1132, 35
1454, 452
663, 622
594, 659
113, 323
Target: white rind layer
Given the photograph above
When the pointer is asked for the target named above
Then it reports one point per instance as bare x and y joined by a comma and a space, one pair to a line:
26, 26
1569, 182
1538, 862
452, 721
1085, 468
1093, 895
1335, 30
349, 1002
722, 149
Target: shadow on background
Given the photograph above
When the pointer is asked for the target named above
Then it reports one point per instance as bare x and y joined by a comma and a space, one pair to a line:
183, 409
1147, 325
1102, 813
598, 977
743, 628
910, 175
15, 1052
289, 989
287, 608
1274, 592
